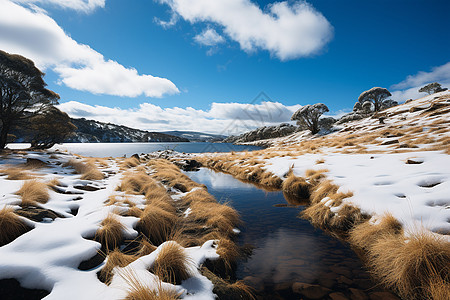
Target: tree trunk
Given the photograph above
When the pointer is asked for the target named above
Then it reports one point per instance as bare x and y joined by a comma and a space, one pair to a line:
4, 135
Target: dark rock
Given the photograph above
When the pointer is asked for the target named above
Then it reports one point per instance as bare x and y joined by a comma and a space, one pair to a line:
338, 296
136, 156
344, 280
414, 162
341, 270
389, 142
383, 296
311, 291
357, 294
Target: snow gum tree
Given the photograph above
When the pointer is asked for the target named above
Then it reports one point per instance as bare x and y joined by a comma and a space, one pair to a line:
50, 127
22, 92
308, 116
432, 88
376, 95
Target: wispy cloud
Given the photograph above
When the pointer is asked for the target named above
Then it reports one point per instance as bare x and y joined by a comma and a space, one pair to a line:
79, 5
286, 31
409, 88
34, 34
225, 118
209, 37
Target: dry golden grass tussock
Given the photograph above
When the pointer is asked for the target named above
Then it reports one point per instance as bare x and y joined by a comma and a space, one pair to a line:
136, 183
156, 224
172, 264
145, 247
76, 164
134, 212
130, 162
92, 174
228, 252
347, 217
315, 176
365, 234
199, 195
102, 162
16, 174
111, 232
88, 170
296, 186
220, 216
139, 291
11, 226
163, 201
324, 189
318, 214
114, 259
414, 267
33, 192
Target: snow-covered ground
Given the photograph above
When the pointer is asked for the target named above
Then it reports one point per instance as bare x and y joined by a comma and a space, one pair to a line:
48, 256
413, 187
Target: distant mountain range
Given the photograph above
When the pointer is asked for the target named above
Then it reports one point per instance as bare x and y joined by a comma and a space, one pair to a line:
194, 136
90, 131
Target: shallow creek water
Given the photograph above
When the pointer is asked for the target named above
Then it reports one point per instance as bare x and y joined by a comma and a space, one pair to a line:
291, 259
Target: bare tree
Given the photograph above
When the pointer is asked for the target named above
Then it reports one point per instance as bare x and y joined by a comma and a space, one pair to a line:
308, 116
50, 127
22, 92
432, 88
376, 95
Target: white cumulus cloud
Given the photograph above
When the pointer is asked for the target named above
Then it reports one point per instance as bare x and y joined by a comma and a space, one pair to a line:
287, 31
209, 37
409, 88
35, 35
80, 5
221, 118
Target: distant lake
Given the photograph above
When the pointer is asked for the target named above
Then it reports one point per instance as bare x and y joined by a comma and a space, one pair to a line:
128, 149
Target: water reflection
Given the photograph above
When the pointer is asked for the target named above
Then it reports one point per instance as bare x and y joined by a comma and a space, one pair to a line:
277, 258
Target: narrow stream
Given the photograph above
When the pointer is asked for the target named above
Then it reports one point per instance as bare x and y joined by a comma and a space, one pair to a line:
289, 254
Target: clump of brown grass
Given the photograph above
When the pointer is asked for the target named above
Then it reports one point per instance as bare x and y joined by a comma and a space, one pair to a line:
136, 183
145, 247
16, 174
365, 234
88, 170
347, 217
228, 252
110, 234
11, 226
163, 201
324, 189
172, 264
199, 195
156, 223
77, 165
214, 215
130, 162
134, 212
296, 186
92, 174
33, 192
414, 267
114, 259
139, 291
320, 161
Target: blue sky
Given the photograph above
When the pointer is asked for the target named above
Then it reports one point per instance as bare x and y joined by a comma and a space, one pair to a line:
327, 51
